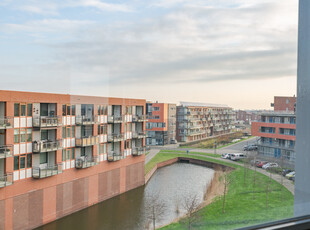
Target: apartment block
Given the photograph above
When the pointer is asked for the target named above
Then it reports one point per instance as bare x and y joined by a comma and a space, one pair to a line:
277, 132
198, 121
286, 104
247, 116
161, 125
62, 153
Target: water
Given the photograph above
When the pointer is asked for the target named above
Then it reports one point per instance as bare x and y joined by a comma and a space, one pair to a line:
126, 211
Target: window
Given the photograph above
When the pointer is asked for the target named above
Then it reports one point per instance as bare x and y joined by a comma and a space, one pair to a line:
73, 131
43, 158
29, 135
22, 163
29, 160
73, 110
44, 109
29, 110
72, 154
68, 110
156, 108
63, 155
23, 110
16, 110
63, 132
64, 110
16, 162
16, 136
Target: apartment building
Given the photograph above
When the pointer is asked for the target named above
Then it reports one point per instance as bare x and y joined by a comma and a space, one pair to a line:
247, 116
285, 104
277, 132
197, 121
161, 125
62, 153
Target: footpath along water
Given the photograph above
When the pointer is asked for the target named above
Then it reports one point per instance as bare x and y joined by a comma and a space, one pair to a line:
126, 211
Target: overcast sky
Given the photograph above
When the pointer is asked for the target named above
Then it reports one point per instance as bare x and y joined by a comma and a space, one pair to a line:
235, 52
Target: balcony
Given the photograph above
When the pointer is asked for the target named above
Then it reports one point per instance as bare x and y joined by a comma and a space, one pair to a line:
6, 151
85, 120
86, 141
52, 170
46, 122
6, 180
139, 135
6, 122
46, 146
115, 156
138, 151
115, 137
85, 162
115, 119
139, 118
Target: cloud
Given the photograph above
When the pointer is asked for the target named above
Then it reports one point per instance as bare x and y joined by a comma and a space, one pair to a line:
171, 42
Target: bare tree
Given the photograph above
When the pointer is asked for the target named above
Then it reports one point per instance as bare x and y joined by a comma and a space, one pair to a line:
227, 182
267, 190
155, 209
254, 177
190, 204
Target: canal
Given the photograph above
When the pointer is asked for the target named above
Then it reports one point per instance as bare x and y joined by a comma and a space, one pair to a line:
126, 211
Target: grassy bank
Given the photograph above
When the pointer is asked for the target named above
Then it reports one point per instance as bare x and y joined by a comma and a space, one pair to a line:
222, 141
241, 209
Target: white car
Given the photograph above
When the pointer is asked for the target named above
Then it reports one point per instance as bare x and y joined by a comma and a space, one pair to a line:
225, 156
270, 165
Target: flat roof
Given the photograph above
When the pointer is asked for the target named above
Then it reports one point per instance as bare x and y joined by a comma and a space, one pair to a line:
198, 104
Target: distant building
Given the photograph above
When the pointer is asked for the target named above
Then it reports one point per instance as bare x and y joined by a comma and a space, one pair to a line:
247, 116
198, 121
161, 125
286, 104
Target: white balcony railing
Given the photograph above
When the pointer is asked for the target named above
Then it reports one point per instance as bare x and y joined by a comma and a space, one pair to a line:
46, 146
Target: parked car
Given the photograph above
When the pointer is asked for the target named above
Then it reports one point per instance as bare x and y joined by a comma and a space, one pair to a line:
173, 141
286, 171
290, 175
250, 147
255, 163
270, 165
261, 164
225, 156
237, 156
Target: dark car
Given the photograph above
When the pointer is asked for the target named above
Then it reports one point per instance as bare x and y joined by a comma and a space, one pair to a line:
286, 171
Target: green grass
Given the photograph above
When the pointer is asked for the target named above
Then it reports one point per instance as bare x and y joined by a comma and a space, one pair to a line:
241, 209
222, 146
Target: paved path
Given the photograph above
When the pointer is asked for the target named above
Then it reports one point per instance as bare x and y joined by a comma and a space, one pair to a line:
151, 154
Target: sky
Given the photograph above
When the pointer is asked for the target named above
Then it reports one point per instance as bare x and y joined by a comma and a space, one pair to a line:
240, 53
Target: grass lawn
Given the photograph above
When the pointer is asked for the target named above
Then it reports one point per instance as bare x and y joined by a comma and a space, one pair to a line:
241, 209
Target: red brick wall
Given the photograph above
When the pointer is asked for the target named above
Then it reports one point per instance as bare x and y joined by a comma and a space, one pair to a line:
280, 103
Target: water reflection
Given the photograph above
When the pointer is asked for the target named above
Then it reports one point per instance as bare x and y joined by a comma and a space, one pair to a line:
127, 210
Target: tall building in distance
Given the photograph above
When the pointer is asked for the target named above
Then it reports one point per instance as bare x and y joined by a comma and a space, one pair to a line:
277, 131
62, 153
161, 125
198, 121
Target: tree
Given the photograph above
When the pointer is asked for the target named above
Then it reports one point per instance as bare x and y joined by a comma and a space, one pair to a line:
190, 204
227, 182
155, 209
254, 177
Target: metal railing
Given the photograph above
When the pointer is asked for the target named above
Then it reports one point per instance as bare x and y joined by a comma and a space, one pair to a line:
115, 156
6, 180
141, 134
45, 122
115, 137
86, 162
85, 120
6, 122
86, 141
115, 119
46, 146
51, 170
139, 118
138, 151
275, 144
6, 151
